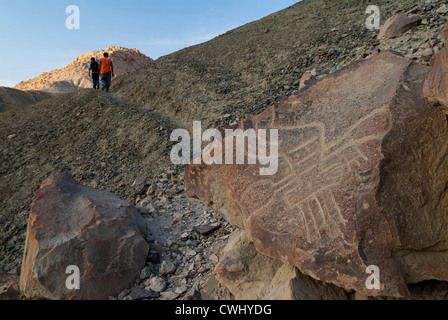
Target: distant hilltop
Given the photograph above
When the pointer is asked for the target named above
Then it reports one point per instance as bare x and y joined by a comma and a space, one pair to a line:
75, 75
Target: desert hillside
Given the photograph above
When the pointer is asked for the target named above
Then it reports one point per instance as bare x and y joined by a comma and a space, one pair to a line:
13, 98
249, 68
75, 75
108, 141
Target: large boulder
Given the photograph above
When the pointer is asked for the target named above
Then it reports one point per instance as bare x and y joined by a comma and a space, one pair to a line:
362, 180
250, 275
95, 231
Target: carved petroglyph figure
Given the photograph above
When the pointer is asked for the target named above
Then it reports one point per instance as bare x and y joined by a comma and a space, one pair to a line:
315, 169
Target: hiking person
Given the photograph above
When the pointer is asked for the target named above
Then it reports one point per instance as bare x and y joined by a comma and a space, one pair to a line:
94, 72
106, 72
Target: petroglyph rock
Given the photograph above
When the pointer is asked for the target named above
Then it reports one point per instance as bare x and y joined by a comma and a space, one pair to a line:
362, 178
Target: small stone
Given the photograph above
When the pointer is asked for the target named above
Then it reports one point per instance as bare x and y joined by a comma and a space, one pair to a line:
164, 201
193, 294
95, 183
206, 230
203, 270
185, 236
146, 203
156, 248
214, 258
123, 294
315, 72
169, 295
305, 77
426, 53
151, 191
139, 181
190, 267
181, 290
140, 190
178, 217
12, 136
443, 9
152, 211
157, 284
167, 268
141, 294
190, 253
146, 273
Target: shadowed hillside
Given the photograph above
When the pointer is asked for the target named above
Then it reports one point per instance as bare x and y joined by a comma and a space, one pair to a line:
12, 98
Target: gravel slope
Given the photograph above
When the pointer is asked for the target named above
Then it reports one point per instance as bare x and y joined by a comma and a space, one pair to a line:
12, 98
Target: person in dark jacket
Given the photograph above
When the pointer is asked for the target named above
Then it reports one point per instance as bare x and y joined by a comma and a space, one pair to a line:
94, 72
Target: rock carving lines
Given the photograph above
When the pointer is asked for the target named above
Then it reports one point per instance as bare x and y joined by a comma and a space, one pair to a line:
315, 169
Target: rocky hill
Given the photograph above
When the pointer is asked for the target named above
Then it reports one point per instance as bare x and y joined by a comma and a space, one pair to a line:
107, 141
246, 70
75, 75
13, 98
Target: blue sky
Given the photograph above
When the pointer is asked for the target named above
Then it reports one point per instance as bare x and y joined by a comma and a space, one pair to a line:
34, 38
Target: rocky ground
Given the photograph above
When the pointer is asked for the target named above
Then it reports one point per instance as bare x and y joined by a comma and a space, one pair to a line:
108, 141
186, 238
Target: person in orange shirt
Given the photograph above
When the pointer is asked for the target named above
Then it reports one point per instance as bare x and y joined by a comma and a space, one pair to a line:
106, 72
